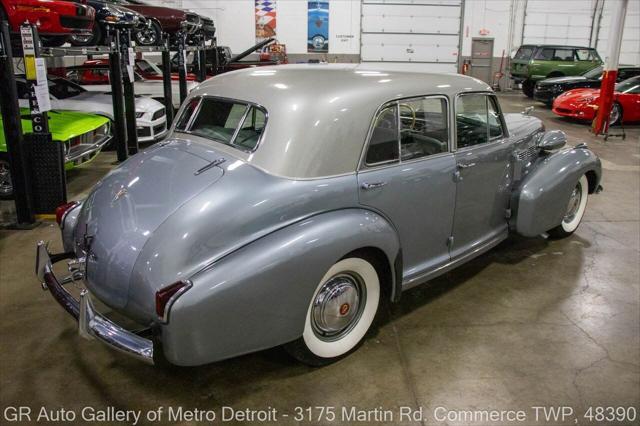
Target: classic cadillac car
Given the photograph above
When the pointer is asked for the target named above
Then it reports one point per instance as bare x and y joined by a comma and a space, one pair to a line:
280, 211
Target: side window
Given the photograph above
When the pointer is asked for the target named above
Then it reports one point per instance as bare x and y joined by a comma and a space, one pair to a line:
545, 54
251, 130
383, 145
563, 55
495, 124
584, 55
423, 128
471, 120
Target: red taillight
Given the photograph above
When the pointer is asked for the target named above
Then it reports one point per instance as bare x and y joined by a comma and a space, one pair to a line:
164, 295
63, 209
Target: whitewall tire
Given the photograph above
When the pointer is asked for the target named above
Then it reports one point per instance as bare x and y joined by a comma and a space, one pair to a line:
340, 312
575, 210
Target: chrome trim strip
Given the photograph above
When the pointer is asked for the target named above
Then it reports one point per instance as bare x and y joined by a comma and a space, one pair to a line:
90, 323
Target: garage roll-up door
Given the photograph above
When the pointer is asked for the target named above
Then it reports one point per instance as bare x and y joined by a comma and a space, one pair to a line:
557, 22
414, 34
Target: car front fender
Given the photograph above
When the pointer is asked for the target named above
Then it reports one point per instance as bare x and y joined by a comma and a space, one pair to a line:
540, 202
258, 296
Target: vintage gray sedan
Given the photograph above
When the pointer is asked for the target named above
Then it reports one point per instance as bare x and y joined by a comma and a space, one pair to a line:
289, 202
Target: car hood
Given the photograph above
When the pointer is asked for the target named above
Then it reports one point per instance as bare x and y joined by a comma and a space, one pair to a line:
562, 80
103, 103
65, 125
152, 221
578, 95
521, 125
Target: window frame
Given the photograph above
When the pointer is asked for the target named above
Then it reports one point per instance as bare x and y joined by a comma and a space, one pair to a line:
248, 105
364, 166
495, 139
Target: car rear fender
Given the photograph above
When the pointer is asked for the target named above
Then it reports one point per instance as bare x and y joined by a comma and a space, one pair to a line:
540, 201
262, 291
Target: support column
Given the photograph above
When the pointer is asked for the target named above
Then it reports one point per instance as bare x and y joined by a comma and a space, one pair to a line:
605, 102
16, 154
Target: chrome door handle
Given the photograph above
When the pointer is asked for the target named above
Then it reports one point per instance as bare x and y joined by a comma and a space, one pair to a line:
373, 185
465, 165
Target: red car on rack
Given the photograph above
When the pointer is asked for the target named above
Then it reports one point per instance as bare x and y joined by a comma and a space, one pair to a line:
146, 69
582, 104
55, 19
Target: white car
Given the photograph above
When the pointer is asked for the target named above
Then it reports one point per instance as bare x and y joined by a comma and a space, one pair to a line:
95, 78
151, 117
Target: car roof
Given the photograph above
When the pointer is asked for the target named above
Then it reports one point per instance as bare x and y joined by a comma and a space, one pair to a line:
558, 46
319, 114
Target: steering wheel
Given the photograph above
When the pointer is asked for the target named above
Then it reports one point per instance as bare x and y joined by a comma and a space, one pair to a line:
413, 114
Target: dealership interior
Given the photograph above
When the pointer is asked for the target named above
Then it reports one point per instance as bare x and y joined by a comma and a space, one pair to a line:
433, 212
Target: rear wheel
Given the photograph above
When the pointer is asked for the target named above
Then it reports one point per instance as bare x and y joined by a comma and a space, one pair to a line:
6, 181
528, 87
575, 210
339, 314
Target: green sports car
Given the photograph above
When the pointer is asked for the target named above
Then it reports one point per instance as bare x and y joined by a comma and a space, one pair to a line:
83, 136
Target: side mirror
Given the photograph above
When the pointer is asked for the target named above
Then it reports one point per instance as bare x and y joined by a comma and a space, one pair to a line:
552, 140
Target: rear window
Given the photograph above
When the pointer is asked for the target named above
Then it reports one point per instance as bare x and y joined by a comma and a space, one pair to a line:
233, 123
524, 52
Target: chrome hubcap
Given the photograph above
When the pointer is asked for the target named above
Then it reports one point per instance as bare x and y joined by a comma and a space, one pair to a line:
574, 203
147, 35
6, 184
338, 306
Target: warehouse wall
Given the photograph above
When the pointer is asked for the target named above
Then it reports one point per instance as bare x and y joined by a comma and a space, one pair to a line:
505, 21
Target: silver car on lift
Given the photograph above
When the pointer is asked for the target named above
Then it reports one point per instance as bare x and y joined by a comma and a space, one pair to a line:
289, 201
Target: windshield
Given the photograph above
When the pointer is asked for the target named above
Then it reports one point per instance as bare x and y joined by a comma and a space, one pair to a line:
631, 85
63, 89
148, 67
595, 73
524, 52
233, 123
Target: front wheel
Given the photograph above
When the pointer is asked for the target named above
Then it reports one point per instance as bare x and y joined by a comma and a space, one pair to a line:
150, 35
340, 313
615, 116
575, 210
527, 87
93, 39
6, 181
54, 41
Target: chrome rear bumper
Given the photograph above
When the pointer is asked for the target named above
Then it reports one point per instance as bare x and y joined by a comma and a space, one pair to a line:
91, 325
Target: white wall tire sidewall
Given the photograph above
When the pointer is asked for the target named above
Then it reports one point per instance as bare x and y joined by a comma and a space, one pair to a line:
573, 225
343, 345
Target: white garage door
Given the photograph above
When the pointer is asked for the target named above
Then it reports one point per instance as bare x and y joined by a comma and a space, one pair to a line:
411, 34
630, 49
557, 22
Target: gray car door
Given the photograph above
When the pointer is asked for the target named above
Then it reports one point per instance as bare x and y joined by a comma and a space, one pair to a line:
483, 174
406, 175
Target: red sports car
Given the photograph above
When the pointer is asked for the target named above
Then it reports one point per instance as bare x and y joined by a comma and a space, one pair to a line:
55, 19
582, 104
146, 69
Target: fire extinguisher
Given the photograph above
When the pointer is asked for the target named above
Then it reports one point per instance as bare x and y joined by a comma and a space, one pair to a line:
465, 66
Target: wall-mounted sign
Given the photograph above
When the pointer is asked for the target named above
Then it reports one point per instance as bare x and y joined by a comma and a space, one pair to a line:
318, 26
265, 19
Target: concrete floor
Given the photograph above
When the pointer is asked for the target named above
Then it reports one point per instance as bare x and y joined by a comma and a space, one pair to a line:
532, 323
